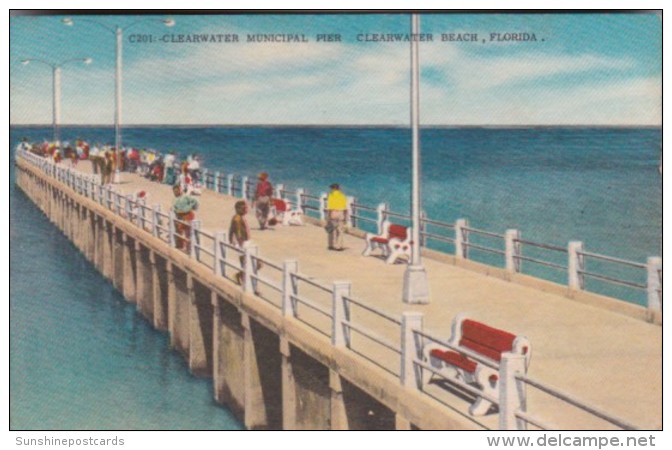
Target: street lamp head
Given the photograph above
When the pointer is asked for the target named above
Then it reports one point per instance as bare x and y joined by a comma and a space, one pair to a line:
67, 21
168, 22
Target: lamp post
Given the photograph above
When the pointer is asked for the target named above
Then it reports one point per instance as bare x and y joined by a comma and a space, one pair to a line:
119, 36
416, 286
56, 89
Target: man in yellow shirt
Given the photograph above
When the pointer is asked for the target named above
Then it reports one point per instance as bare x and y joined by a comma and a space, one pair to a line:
337, 216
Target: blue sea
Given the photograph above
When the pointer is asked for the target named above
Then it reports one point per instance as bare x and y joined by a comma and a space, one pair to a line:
82, 358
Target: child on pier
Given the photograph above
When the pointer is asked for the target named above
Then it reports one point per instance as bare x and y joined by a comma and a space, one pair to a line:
239, 234
184, 207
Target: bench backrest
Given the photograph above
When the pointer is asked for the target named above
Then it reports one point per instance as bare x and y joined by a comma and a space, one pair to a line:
280, 205
488, 341
397, 231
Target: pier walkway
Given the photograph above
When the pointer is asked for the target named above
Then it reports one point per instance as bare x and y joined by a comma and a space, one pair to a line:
589, 351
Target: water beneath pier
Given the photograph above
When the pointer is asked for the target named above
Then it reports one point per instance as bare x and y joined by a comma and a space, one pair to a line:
81, 357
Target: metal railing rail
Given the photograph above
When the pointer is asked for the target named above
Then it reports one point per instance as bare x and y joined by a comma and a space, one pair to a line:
162, 225
569, 399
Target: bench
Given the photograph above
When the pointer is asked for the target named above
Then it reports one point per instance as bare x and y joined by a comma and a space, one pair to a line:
394, 242
283, 209
483, 340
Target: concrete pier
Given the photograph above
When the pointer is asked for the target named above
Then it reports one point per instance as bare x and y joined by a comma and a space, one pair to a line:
275, 370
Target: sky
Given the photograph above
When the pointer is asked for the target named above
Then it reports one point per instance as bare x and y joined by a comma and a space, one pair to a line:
564, 69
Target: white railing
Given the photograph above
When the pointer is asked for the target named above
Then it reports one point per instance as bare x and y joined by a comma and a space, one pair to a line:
508, 250
329, 309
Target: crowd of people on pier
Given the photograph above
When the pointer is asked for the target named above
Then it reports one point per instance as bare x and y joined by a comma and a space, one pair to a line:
185, 176
166, 168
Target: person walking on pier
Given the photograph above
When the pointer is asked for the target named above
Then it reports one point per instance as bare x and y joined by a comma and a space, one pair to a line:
239, 233
262, 199
184, 207
337, 216
107, 167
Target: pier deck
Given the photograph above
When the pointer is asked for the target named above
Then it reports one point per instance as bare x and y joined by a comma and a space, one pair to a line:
593, 353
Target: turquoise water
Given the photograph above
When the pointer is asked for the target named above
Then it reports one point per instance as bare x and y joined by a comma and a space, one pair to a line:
600, 186
81, 357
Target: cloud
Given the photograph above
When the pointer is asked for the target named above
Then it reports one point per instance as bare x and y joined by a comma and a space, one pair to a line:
345, 83
485, 73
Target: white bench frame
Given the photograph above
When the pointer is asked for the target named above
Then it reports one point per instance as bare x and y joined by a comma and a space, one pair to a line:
481, 376
394, 248
290, 216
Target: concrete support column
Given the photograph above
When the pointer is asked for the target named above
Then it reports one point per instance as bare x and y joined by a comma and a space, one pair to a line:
255, 407
339, 416
172, 299
179, 310
288, 387
107, 255
144, 283
228, 360
118, 259
65, 216
83, 230
200, 330
97, 244
161, 282
216, 337
129, 281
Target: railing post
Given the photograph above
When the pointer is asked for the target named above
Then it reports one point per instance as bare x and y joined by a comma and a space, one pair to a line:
229, 184
381, 213
289, 267
108, 197
423, 228
512, 250
218, 266
339, 336
575, 265
243, 187
250, 250
171, 229
194, 239
654, 283
512, 392
411, 349
117, 203
127, 208
155, 220
217, 182
352, 210
278, 190
205, 178
299, 200
461, 239
323, 206
141, 213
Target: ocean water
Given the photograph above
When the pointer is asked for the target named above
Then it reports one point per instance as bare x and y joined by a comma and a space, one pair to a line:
83, 358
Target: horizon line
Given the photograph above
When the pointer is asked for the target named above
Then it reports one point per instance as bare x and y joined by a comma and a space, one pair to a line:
271, 125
